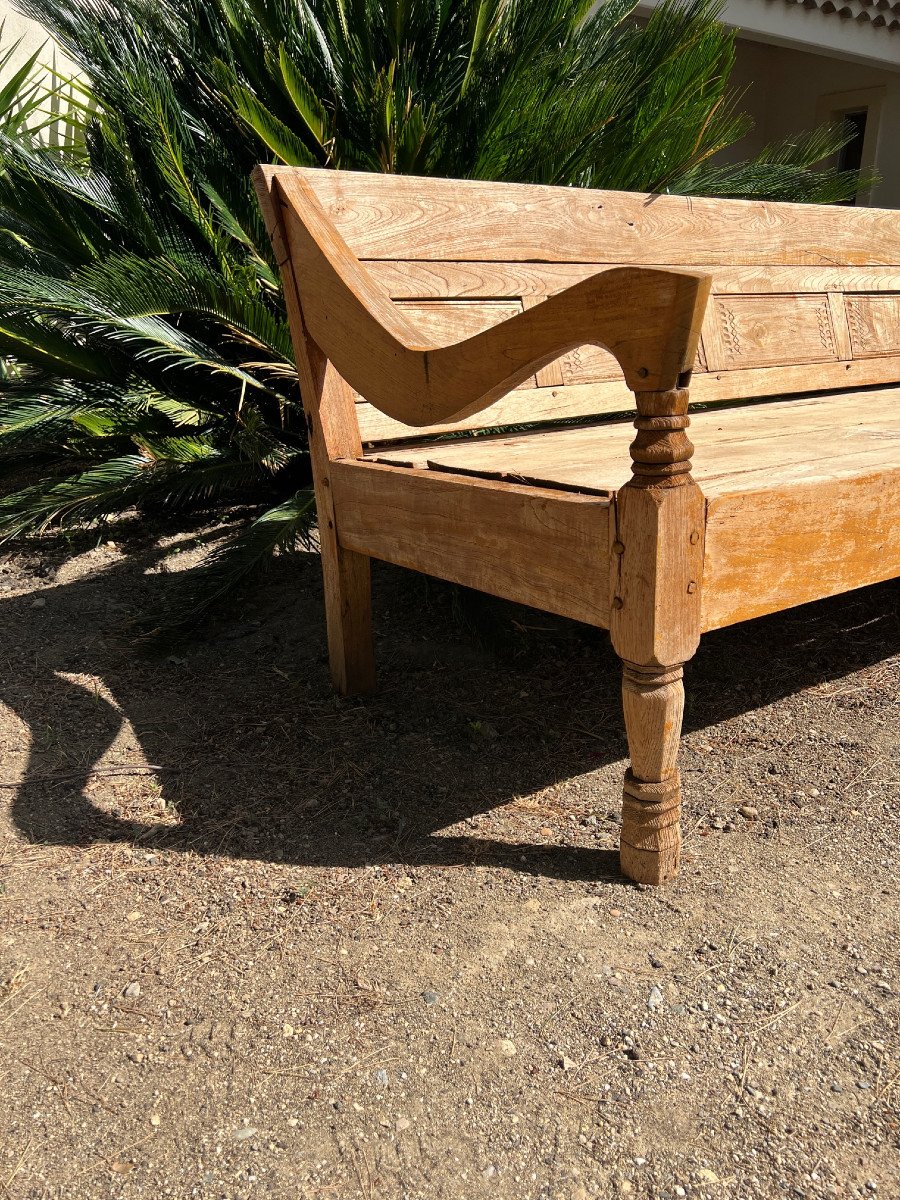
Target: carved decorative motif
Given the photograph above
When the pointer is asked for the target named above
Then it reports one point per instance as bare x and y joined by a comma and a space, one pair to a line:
730, 335
874, 322
826, 333
771, 329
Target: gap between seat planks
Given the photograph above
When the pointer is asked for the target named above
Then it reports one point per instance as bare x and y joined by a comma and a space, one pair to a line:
423, 306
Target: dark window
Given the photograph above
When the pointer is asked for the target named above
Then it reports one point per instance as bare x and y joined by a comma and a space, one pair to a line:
850, 155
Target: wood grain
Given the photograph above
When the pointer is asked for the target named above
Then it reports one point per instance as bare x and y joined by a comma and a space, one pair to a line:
650, 842
329, 407
764, 315
874, 325
762, 331
405, 279
599, 399
649, 320
539, 547
656, 576
735, 448
404, 217
772, 548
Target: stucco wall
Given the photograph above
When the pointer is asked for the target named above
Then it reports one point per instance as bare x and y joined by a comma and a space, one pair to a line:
783, 91
32, 35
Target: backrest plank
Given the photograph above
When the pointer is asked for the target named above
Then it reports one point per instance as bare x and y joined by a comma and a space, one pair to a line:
397, 216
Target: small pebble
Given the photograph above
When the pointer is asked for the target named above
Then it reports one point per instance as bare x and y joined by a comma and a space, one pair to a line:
381, 1077
655, 999
567, 1064
132, 991
403, 1123
748, 811
242, 1135
430, 997
506, 1048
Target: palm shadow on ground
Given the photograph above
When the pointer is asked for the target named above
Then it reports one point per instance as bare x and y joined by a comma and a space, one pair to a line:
260, 760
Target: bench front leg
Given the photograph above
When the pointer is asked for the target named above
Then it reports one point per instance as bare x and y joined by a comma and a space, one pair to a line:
657, 565
650, 843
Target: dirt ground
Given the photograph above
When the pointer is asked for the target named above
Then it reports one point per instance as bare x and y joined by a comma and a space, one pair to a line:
256, 941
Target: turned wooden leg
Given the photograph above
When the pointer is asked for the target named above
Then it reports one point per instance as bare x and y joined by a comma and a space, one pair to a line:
653, 700
348, 615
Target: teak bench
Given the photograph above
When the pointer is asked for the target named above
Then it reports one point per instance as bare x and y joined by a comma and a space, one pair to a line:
424, 306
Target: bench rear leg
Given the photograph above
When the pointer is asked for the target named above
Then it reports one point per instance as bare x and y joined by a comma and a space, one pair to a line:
347, 579
653, 701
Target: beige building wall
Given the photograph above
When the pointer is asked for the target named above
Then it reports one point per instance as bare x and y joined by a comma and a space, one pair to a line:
787, 90
32, 35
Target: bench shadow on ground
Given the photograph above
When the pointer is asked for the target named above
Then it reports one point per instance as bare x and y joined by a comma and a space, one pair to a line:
259, 760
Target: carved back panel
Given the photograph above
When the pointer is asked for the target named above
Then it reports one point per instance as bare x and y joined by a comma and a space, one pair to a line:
805, 297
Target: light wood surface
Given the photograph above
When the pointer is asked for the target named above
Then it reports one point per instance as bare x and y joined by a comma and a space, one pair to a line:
656, 578
525, 544
768, 549
404, 217
656, 567
739, 448
419, 280
329, 407
602, 399
649, 320
653, 706
812, 319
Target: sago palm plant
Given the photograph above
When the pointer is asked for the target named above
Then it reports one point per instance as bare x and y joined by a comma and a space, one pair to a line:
148, 363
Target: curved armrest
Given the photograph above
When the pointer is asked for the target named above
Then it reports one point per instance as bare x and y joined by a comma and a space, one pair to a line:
648, 319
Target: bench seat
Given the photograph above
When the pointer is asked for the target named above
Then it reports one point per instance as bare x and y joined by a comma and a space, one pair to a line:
772, 443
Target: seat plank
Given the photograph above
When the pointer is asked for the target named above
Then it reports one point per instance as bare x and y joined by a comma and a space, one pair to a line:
822, 437
546, 404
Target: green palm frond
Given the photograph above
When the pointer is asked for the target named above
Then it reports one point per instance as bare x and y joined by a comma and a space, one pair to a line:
96, 492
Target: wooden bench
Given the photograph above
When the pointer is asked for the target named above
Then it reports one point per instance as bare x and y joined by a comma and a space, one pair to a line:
421, 307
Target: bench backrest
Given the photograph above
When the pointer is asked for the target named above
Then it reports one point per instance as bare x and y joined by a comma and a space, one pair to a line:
805, 297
